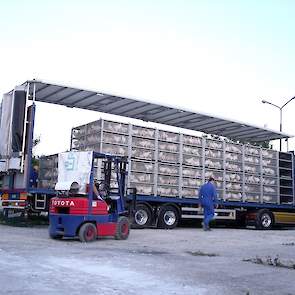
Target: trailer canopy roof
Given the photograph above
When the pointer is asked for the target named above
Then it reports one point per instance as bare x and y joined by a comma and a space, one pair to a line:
148, 111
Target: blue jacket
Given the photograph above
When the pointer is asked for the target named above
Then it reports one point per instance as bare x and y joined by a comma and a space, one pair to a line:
208, 194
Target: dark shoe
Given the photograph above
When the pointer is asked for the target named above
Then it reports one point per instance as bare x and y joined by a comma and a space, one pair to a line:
205, 228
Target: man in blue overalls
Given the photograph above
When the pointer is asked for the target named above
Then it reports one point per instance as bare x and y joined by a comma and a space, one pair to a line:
208, 198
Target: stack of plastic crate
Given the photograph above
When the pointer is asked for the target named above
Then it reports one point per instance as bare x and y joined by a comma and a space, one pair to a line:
48, 172
252, 170
168, 158
192, 165
233, 172
270, 176
142, 159
214, 164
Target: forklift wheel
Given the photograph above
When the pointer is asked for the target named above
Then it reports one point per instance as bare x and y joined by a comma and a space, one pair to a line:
55, 237
123, 228
87, 232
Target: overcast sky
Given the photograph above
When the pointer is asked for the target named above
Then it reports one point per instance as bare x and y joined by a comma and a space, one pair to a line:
218, 57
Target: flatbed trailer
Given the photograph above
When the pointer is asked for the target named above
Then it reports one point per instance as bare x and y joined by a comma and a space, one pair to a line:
157, 209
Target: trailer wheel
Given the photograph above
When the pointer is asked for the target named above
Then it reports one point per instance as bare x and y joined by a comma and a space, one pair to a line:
142, 216
87, 232
123, 228
264, 219
168, 217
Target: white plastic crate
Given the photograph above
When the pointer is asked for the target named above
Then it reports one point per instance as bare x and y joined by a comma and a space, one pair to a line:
252, 179
142, 154
94, 127
211, 163
191, 182
93, 138
214, 144
115, 149
168, 136
233, 196
143, 142
269, 198
249, 197
141, 177
270, 181
168, 157
219, 184
190, 172
213, 154
233, 157
115, 138
193, 140
191, 150
190, 192
269, 171
77, 132
252, 188
115, 127
192, 160
78, 143
215, 174
252, 160
171, 147
233, 166
234, 177
168, 169
167, 191
147, 167
168, 180
254, 169
143, 132
143, 189
270, 190
250, 150
233, 186
269, 154
233, 148
269, 162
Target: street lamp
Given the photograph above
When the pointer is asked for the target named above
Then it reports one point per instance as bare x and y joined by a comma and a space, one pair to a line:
281, 114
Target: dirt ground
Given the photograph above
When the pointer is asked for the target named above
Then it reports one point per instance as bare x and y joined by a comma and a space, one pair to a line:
151, 261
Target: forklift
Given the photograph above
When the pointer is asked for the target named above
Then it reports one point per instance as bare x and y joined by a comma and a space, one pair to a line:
90, 203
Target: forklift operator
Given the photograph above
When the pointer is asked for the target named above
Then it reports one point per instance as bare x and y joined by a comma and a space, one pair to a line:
98, 194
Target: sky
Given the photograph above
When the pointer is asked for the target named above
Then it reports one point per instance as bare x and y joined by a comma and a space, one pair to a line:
218, 57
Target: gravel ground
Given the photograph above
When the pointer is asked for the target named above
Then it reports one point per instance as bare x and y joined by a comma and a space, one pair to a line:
151, 261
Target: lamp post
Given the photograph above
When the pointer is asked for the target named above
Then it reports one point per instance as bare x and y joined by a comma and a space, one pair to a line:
281, 114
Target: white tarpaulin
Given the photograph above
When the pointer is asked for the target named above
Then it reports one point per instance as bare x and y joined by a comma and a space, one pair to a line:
5, 131
5, 126
74, 167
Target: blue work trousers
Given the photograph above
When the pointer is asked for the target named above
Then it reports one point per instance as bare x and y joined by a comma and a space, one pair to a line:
208, 213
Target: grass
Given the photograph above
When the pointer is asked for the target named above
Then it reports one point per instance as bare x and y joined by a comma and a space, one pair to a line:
269, 261
200, 253
289, 244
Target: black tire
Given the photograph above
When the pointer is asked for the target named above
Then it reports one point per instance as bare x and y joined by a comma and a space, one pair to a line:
168, 217
55, 237
142, 217
87, 232
264, 220
123, 228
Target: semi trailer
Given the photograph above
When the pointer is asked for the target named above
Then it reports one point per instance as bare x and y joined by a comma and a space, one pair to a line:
255, 185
